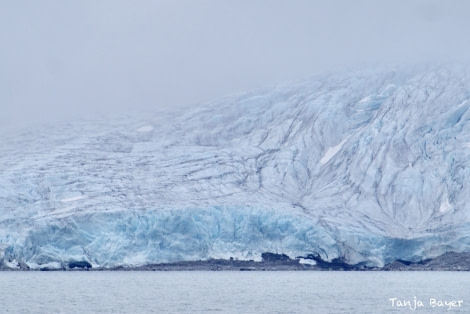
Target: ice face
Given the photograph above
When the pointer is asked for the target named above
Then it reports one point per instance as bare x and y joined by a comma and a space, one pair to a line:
369, 167
141, 237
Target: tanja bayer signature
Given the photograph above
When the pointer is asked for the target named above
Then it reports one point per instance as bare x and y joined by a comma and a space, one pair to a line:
416, 303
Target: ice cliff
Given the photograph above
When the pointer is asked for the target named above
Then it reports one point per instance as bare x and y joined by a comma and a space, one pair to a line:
369, 167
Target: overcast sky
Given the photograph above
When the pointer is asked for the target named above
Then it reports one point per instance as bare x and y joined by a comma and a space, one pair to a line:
62, 58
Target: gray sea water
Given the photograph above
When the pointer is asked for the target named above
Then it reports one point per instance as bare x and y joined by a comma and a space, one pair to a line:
234, 292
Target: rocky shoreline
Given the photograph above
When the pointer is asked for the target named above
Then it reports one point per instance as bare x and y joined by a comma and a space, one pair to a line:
449, 261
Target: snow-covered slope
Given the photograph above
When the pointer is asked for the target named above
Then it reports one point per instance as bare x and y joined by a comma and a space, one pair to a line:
369, 166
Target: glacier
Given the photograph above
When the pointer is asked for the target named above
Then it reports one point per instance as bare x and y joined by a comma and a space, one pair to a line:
367, 166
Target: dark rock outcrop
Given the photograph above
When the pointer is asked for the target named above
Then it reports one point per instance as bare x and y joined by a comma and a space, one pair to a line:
79, 264
448, 261
273, 257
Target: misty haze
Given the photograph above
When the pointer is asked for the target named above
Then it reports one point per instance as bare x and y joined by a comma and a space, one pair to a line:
65, 60
248, 136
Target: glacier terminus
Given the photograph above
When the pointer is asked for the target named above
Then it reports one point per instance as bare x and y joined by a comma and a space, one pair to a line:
366, 167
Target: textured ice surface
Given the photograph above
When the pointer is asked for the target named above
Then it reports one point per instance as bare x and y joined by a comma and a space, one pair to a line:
370, 166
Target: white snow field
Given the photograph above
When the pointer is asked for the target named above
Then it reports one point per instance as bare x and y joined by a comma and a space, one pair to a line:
368, 166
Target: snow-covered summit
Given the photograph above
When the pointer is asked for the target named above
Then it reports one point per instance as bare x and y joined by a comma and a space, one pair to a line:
369, 166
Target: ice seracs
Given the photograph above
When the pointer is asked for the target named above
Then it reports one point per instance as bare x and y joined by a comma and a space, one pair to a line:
366, 167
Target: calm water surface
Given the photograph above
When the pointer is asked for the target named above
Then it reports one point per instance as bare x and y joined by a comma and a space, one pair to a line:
234, 292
